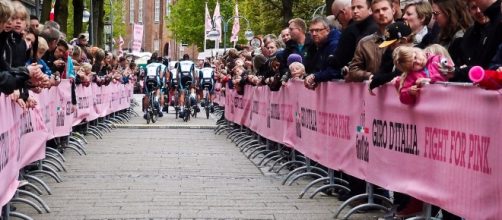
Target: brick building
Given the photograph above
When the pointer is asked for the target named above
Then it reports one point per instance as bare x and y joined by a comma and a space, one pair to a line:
156, 36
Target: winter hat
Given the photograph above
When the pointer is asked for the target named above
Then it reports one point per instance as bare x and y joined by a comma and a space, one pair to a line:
294, 58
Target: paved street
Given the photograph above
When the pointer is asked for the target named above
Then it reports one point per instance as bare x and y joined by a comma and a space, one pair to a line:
173, 174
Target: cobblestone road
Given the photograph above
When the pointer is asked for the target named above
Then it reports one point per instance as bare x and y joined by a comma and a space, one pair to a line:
173, 174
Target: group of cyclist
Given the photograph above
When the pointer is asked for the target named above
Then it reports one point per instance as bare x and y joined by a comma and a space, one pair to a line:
182, 77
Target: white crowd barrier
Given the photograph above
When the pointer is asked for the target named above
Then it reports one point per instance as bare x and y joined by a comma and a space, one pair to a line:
443, 150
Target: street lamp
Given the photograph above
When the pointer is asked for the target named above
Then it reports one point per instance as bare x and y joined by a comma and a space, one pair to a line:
249, 35
86, 15
108, 34
213, 34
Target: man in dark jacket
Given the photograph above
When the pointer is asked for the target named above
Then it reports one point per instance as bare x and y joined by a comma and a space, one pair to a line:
486, 42
326, 42
362, 24
300, 43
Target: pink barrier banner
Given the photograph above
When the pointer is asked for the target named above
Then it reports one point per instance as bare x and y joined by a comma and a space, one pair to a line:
99, 100
116, 97
46, 105
9, 151
33, 134
63, 120
219, 96
84, 108
444, 150
431, 151
23, 134
323, 125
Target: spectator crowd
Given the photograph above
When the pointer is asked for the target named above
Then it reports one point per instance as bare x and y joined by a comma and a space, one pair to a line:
35, 56
378, 41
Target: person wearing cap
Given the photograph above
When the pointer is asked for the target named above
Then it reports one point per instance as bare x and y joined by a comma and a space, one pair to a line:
293, 58
326, 41
368, 54
399, 33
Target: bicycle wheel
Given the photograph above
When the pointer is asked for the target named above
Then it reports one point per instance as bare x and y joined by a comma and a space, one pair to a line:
206, 106
148, 117
154, 115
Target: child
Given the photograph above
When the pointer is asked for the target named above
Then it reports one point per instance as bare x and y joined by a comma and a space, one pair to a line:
85, 74
418, 69
297, 70
18, 23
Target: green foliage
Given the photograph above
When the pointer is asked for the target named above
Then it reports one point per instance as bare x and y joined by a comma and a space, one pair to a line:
186, 21
119, 27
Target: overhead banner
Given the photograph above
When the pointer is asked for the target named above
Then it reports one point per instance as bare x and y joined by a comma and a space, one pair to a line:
443, 150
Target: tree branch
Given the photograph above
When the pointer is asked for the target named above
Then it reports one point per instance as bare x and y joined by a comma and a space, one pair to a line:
271, 2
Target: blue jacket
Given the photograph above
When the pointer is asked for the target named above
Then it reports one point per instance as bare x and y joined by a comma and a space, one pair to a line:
45, 68
322, 70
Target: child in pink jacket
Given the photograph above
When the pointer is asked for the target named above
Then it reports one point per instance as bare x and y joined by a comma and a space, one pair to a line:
419, 68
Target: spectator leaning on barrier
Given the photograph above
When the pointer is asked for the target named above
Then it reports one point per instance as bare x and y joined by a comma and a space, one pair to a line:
52, 36
485, 38
368, 55
397, 34
13, 78
326, 42
300, 43
362, 24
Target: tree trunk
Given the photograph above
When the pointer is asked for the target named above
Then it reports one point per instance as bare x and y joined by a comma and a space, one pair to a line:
46, 9
287, 11
328, 7
61, 14
98, 14
78, 10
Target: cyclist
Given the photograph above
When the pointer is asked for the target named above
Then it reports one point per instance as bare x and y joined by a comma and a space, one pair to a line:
186, 70
173, 82
206, 79
152, 83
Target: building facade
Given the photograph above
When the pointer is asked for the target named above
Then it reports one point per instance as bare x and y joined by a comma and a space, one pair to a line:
151, 14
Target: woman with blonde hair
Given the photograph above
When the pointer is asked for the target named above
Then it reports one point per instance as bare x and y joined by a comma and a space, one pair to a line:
418, 15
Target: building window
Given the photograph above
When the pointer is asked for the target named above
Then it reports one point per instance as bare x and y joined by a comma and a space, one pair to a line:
156, 45
157, 11
140, 11
131, 11
168, 3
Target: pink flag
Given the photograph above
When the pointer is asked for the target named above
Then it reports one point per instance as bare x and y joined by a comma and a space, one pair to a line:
236, 26
217, 18
207, 21
121, 40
